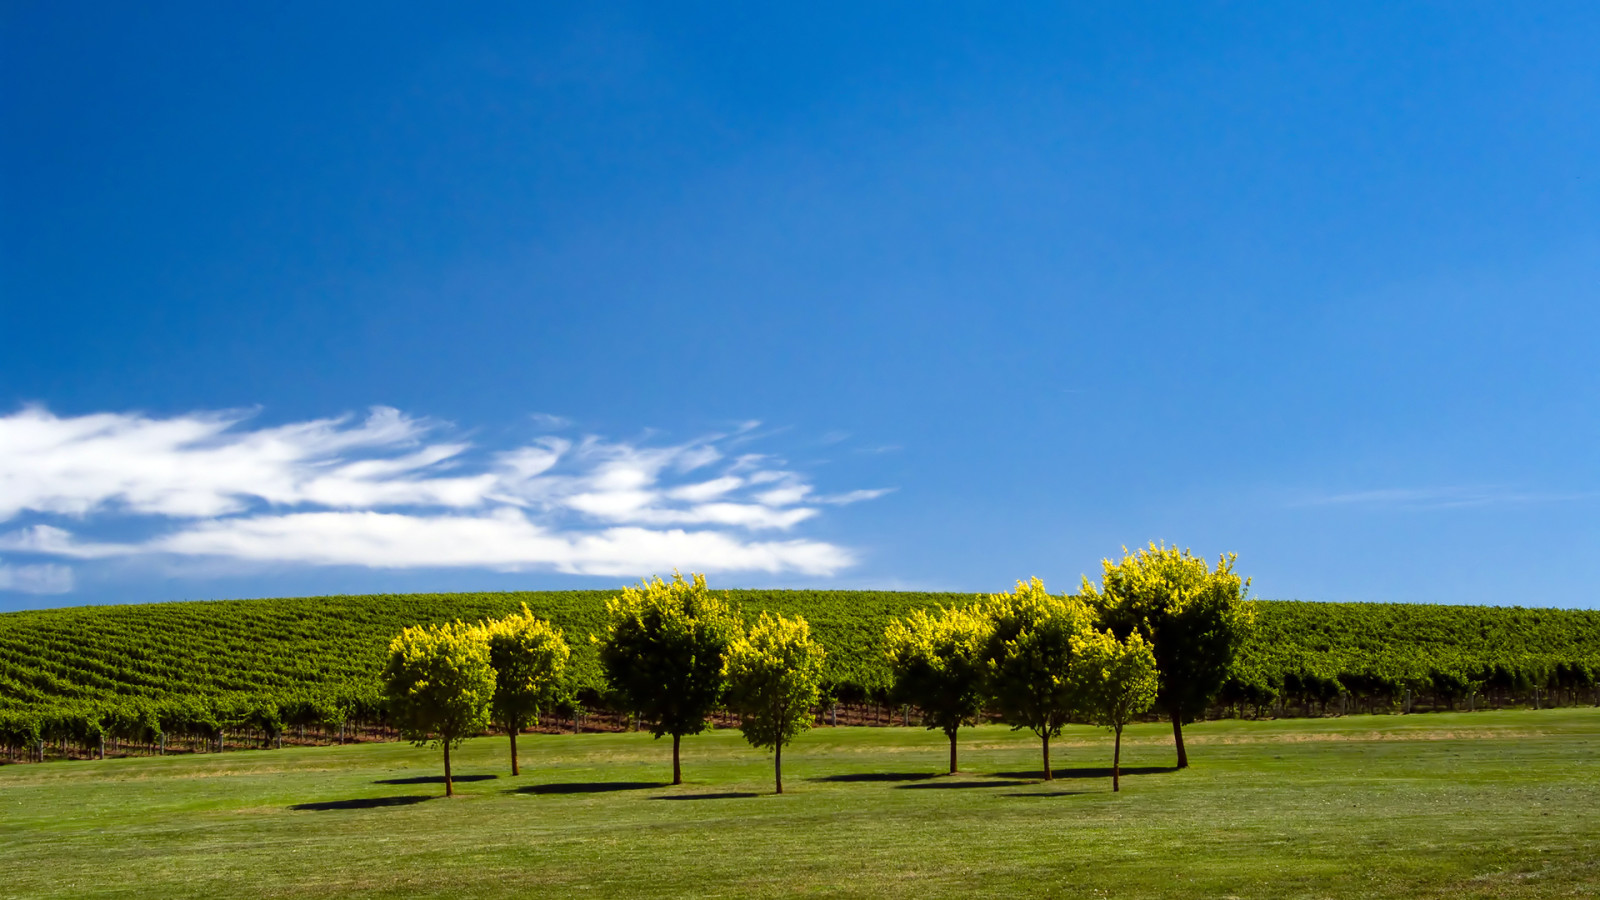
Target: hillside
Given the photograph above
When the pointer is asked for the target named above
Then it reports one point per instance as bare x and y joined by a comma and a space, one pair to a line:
206, 663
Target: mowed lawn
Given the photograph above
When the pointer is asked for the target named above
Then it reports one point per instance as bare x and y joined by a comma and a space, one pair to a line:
1482, 804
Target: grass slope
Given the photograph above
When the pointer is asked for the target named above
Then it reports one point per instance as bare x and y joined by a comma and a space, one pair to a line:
1450, 805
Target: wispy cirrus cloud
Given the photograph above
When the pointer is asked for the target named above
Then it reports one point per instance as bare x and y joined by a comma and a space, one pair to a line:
386, 491
1445, 497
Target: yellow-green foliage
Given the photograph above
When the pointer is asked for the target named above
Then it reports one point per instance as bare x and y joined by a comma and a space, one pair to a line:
937, 662
774, 678
529, 656
440, 682
1116, 680
663, 651
1030, 655
1195, 618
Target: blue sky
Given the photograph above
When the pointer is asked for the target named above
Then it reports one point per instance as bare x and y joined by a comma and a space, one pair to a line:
389, 298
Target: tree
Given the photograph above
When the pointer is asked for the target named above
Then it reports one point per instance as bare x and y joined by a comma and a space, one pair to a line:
1115, 681
1029, 659
937, 662
663, 654
774, 677
529, 656
440, 686
1195, 620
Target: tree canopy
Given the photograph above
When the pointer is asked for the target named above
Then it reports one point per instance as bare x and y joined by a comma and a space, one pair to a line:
529, 656
663, 652
938, 665
1029, 659
1115, 681
774, 678
440, 685
1194, 618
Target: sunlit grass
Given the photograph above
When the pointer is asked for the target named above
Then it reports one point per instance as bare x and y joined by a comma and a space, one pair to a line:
1459, 805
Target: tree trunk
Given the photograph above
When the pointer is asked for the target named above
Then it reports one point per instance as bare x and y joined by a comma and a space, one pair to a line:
952, 734
1047, 775
449, 788
677, 772
777, 766
1116, 762
515, 770
1177, 737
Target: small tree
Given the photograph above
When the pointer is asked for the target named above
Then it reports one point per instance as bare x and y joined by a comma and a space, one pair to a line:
937, 661
663, 653
1029, 659
1195, 620
529, 656
1115, 681
774, 677
440, 685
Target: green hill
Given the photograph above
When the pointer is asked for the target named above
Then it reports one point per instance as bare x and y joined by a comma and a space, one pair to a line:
201, 666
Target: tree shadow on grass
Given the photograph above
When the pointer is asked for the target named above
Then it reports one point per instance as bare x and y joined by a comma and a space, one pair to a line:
1046, 793
589, 787
436, 779
1089, 772
359, 803
880, 776
725, 795
956, 785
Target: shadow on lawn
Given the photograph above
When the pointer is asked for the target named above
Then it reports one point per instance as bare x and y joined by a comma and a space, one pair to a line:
436, 779
360, 803
725, 795
1089, 772
879, 776
945, 785
1046, 793
589, 787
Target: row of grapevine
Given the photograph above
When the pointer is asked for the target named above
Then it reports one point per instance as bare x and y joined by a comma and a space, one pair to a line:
193, 671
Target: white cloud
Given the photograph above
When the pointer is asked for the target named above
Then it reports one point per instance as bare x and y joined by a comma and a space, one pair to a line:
385, 492
504, 539
1449, 497
47, 578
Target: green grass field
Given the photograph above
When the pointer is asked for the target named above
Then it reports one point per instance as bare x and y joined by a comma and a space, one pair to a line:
1486, 804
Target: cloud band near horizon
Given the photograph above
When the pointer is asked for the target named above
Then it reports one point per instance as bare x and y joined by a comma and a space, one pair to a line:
386, 492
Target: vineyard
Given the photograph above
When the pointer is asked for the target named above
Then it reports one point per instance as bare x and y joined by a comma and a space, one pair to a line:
212, 675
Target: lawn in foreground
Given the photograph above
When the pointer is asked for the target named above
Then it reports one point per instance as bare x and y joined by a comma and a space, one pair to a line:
1461, 805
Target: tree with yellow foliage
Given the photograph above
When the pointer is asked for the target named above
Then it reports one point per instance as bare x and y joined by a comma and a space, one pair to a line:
1194, 618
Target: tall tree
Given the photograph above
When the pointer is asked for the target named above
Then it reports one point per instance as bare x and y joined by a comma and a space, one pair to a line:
440, 686
1115, 681
774, 677
937, 662
1194, 618
529, 656
663, 653
1029, 659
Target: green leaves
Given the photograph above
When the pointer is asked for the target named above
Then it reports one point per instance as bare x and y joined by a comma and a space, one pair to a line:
529, 657
1195, 618
663, 652
1114, 680
938, 664
440, 682
774, 678
1030, 654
